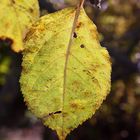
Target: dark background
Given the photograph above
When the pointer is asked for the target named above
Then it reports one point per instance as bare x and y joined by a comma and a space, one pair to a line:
118, 22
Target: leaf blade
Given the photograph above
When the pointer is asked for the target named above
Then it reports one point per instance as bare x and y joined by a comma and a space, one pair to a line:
87, 83
16, 20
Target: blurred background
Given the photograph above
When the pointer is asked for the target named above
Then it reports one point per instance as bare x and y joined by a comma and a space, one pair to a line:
118, 22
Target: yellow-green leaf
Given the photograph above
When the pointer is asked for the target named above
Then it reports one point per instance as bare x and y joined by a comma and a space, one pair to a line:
15, 18
64, 79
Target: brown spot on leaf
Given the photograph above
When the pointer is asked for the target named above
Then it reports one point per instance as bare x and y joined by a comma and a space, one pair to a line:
93, 68
75, 35
82, 46
79, 24
94, 34
30, 34
76, 84
74, 105
13, 1
65, 114
108, 59
87, 93
87, 72
7, 25
31, 10
25, 70
94, 80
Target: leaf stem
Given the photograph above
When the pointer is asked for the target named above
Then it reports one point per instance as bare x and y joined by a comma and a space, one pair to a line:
81, 3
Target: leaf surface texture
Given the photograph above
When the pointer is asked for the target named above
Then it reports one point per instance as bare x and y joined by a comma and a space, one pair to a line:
43, 79
15, 18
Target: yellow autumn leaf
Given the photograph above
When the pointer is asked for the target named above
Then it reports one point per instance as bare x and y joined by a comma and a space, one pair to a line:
66, 73
15, 18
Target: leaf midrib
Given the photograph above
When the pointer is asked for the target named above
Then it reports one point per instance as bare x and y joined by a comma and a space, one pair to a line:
77, 13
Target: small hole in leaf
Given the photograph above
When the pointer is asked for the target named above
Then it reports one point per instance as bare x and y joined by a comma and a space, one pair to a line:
57, 112
82, 46
75, 35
